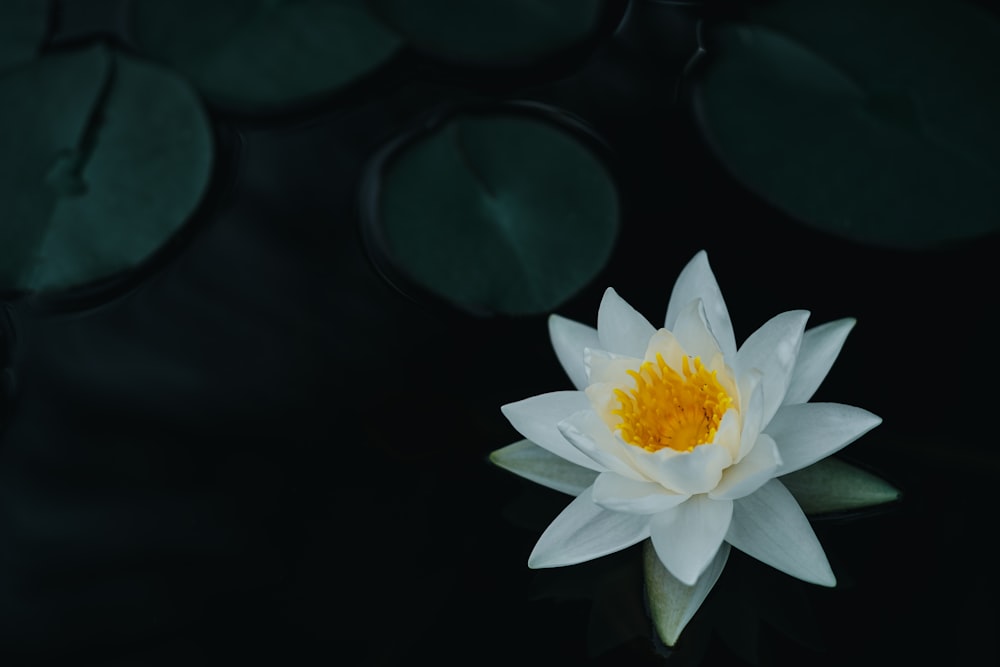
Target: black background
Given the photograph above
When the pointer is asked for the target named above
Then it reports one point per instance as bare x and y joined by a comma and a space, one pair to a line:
257, 448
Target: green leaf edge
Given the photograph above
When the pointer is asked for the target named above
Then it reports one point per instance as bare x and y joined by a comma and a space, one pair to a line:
834, 485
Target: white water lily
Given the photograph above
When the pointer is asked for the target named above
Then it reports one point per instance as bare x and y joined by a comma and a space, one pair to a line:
678, 436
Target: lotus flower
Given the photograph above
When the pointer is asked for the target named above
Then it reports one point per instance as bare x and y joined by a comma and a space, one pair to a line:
677, 436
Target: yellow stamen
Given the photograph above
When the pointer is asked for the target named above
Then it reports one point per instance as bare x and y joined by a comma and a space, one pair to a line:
668, 409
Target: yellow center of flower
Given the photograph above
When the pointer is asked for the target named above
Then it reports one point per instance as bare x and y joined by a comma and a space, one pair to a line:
671, 409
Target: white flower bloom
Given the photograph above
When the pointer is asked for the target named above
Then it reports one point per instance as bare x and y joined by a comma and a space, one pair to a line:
677, 435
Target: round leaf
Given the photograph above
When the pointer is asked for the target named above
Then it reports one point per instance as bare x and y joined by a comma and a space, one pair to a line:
111, 156
492, 32
257, 55
500, 213
870, 119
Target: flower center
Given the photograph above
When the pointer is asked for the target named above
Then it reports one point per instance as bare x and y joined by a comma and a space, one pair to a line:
671, 409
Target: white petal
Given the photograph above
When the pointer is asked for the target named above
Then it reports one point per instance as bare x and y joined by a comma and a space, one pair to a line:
820, 347
697, 281
590, 435
672, 604
751, 473
569, 339
728, 433
772, 350
623, 494
697, 471
808, 432
770, 526
531, 462
602, 366
584, 531
687, 537
752, 398
620, 328
691, 330
665, 344
536, 418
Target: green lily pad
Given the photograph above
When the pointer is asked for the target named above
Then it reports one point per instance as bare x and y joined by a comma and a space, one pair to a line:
258, 55
497, 213
874, 120
492, 32
833, 485
23, 24
105, 158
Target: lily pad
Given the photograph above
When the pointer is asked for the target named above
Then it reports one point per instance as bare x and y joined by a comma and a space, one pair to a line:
23, 24
259, 55
105, 158
501, 213
492, 32
874, 120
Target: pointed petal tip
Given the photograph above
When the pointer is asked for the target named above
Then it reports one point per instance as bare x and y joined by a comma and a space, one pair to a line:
540, 560
869, 420
555, 319
508, 409
537, 563
685, 579
865, 419
820, 575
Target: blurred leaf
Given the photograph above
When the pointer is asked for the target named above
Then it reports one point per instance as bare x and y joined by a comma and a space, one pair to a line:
23, 24
105, 158
832, 485
492, 32
260, 54
871, 119
500, 213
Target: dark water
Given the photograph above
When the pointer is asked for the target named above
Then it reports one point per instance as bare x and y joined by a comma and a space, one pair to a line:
259, 448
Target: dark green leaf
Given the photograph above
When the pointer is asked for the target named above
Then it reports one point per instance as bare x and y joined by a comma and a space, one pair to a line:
871, 119
260, 54
492, 32
112, 156
23, 24
505, 213
672, 603
832, 485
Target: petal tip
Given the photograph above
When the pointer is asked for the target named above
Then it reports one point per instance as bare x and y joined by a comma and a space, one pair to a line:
869, 420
